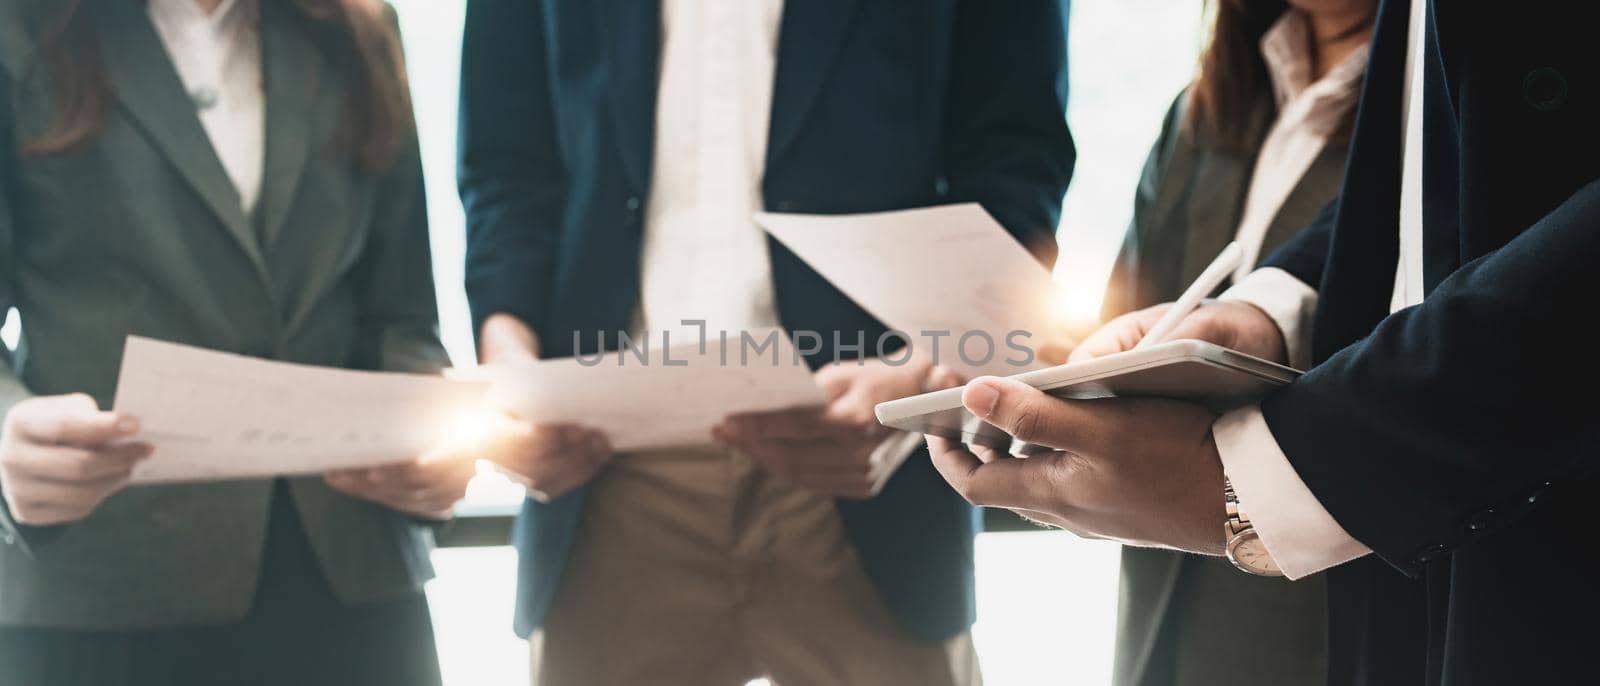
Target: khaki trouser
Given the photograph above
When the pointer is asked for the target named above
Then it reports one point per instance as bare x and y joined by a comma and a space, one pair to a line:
692, 567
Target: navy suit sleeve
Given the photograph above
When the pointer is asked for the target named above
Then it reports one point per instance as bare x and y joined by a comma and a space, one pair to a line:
511, 179
1458, 415
1007, 145
1305, 255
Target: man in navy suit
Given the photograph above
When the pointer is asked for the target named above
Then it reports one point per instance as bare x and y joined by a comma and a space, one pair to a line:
1441, 455
612, 154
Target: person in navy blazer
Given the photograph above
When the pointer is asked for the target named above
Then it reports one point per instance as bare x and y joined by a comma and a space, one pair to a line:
1448, 436
875, 106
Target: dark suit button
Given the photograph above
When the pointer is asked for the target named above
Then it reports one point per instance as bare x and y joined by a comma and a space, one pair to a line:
1544, 89
787, 206
632, 214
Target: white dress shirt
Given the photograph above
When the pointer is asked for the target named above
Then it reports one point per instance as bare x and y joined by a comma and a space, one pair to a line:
1294, 526
704, 257
1309, 113
218, 58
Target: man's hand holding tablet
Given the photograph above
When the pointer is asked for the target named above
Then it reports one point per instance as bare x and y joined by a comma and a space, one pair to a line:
1142, 471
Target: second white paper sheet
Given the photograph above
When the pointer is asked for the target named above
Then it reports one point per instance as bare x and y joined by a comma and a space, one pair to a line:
951, 269
670, 398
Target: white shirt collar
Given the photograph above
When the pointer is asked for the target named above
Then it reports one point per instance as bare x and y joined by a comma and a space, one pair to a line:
188, 12
218, 59
1286, 48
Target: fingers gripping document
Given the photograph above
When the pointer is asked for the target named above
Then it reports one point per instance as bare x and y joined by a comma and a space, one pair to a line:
663, 396
950, 277
215, 416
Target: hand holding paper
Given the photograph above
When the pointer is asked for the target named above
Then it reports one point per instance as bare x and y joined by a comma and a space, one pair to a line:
428, 487
60, 457
840, 449
548, 460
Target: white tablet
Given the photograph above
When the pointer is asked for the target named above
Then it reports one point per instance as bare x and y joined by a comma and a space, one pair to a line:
1184, 369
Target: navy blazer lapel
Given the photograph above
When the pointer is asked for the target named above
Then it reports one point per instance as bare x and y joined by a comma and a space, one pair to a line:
633, 30
293, 74
144, 80
1448, 58
1364, 242
809, 40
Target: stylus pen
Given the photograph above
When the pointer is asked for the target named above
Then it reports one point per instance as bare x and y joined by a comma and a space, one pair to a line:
1227, 261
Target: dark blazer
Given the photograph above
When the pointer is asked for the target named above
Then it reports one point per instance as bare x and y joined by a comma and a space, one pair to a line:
1179, 614
876, 106
1455, 438
139, 231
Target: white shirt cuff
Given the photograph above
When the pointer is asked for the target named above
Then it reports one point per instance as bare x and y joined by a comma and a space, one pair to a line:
1297, 531
1288, 301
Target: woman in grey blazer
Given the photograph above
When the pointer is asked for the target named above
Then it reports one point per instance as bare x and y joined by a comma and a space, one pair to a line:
1252, 151
241, 175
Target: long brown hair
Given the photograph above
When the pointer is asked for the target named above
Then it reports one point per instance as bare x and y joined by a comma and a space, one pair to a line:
1233, 76
354, 34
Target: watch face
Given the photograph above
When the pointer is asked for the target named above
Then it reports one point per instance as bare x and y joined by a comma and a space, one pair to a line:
1247, 553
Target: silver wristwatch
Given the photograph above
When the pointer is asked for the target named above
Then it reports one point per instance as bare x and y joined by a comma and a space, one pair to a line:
1245, 549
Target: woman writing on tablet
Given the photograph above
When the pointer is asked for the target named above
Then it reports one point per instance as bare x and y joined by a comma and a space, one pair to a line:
1250, 152
240, 175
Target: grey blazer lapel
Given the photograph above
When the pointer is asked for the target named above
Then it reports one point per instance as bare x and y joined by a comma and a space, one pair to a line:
293, 76
141, 75
1223, 178
1317, 187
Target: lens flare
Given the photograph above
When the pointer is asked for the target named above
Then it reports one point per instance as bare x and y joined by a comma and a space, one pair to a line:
468, 428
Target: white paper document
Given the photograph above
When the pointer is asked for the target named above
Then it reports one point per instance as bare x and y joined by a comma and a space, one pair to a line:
214, 416
950, 270
659, 396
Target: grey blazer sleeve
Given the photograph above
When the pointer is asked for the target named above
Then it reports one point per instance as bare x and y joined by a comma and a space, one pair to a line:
12, 389
399, 310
